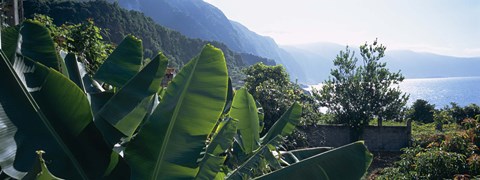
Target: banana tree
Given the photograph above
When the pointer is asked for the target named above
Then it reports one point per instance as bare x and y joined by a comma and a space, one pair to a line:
43, 110
52, 105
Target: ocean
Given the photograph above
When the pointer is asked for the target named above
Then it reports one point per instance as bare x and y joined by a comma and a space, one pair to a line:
441, 91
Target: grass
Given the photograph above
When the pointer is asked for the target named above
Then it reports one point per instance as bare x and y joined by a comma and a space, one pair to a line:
387, 123
421, 129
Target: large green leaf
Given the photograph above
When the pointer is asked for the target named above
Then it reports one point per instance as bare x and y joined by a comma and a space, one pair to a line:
35, 43
214, 155
124, 62
245, 110
247, 168
228, 103
127, 108
286, 124
98, 100
223, 138
347, 162
169, 144
297, 155
74, 71
9, 41
42, 109
78, 74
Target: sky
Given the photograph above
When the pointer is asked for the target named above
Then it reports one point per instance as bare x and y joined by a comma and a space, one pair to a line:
438, 26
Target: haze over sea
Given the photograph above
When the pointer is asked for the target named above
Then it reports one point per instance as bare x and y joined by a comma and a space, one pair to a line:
441, 91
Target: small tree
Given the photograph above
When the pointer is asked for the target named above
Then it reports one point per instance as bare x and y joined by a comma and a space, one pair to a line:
355, 93
271, 87
422, 111
83, 39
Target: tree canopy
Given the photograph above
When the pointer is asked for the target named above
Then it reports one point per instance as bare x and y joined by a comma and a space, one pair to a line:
359, 92
271, 87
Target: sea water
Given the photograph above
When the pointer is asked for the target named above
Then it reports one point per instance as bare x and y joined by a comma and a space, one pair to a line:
440, 91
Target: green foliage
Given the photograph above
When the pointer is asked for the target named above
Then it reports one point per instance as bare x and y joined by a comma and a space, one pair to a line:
45, 110
441, 117
436, 164
245, 110
259, 73
458, 143
34, 42
439, 155
270, 86
186, 135
124, 62
422, 111
126, 109
355, 94
474, 164
84, 39
460, 113
432, 163
327, 165
389, 173
183, 120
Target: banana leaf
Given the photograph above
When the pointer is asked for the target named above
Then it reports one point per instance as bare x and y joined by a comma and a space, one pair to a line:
347, 162
99, 99
228, 103
42, 109
127, 108
74, 71
9, 41
285, 124
247, 168
171, 141
124, 62
35, 43
245, 110
40, 170
214, 155
297, 155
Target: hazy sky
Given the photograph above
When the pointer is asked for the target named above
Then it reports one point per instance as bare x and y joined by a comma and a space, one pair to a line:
450, 27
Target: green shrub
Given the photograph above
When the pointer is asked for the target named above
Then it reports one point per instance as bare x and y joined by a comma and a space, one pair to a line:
394, 173
437, 164
407, 162
474, 164
429, 140
472, 128
422, 111
457, 142
469, 123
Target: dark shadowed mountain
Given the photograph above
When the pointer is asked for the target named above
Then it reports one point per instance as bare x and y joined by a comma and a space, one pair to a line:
198, 19
317, 60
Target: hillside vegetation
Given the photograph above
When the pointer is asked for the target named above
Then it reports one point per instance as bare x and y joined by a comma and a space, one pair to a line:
118, 22
199, 19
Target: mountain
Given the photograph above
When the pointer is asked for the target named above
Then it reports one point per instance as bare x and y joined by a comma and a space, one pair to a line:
317, 60
198, 19
428, 65
119, 22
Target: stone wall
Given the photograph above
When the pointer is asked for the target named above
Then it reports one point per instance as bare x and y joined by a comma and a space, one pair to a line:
385, 138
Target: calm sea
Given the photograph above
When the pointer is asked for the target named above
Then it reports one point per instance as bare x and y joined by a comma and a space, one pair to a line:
442, 91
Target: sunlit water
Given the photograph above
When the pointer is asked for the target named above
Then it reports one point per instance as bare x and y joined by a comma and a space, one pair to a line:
441, 91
